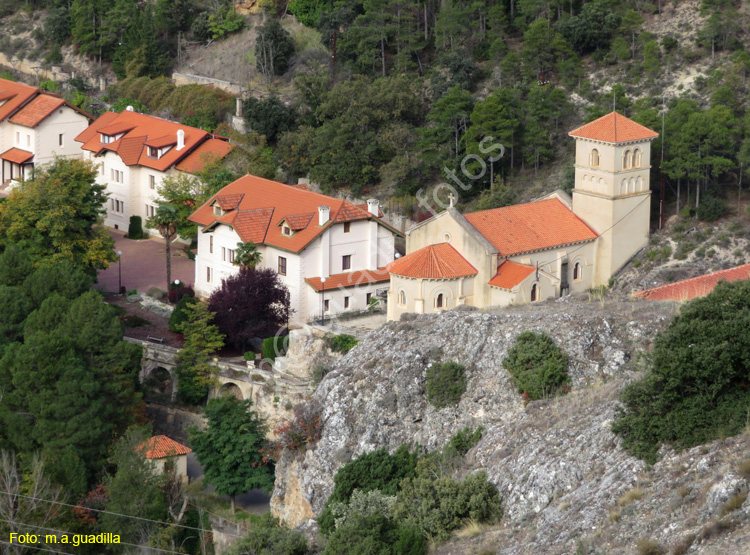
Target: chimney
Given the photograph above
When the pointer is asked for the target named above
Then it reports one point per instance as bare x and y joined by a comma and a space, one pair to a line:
180, 139
323, 212
373, 207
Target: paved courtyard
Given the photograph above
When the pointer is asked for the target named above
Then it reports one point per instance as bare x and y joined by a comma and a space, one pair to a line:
144, 265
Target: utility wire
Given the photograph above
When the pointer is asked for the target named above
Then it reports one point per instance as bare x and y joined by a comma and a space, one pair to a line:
77, 534
112, 513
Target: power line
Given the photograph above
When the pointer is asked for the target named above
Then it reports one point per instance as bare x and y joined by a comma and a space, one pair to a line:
33, 547
64, 532
112, 513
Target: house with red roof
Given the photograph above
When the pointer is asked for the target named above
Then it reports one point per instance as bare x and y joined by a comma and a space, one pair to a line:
136, 152
167, 455
35, 127
329, 252
541, 249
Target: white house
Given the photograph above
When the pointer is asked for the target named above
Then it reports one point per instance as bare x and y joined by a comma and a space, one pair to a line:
35, 126
136, 152
330, 253
167, 455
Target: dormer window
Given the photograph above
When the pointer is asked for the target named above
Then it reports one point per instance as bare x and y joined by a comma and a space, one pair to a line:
286, 230
106, 139
218, 211
153, 152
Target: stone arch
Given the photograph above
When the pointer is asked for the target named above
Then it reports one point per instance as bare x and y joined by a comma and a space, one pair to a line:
631, 185
627, 160
231, 388
638, 184
535, 292
601, 188
583, 181
594, 159
442, 297
159, 379
637, 158
624, 186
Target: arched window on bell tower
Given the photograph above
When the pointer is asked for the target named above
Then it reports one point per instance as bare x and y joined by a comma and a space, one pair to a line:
627, 160
594, 159
637, 158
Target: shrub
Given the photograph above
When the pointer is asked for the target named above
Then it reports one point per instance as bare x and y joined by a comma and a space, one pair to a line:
446, 382
647, 546
178, 291
463, 441
370, 471
275, 346
440, 505
135, 228
191, 389
341, 343
697, 377
375, 533
249, 355
537, 366
319, 372
711, 209
305, 428
269, 537
362, 503
734, 503
180, 314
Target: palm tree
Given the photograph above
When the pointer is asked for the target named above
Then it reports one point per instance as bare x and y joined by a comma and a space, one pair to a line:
247, 255
165, 221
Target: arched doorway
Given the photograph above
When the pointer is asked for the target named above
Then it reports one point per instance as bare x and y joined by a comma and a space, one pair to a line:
231, 389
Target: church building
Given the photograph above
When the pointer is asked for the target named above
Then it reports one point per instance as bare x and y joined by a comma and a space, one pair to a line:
540, 249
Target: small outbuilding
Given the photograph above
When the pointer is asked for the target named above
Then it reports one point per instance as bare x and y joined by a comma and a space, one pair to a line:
163, 451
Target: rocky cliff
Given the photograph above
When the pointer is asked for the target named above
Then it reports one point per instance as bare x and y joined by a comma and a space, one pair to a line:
566, 483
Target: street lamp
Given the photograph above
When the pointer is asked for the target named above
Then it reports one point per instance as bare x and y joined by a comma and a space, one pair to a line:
323, 302
119, 271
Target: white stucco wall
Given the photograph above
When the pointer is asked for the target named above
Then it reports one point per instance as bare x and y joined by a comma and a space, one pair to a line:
65, 121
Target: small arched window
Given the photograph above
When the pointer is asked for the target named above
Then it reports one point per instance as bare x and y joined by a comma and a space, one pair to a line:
577, 272
638, 184
637, 158
631, 185
627, 160
402, 298
534, 293
624, 187
439, 302
594, 160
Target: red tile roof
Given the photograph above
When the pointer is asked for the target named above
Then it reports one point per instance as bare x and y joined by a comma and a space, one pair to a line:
159, 447
17, 156
299, 221
37, 110
266, 203
509, 274
349, 279
692, 288
15, 96
229, 202
207, 152
140, 130
614, 128
532, 226
439, 261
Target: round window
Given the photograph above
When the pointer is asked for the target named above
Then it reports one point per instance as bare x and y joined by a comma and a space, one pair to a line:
447, 237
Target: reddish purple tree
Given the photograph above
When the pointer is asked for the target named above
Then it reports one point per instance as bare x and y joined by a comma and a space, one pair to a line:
253, 303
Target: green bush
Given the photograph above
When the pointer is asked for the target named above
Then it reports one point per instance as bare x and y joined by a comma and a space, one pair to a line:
438, 505
375, 533
711, 209
370, 471
537, 366
275, 346
269, 537
190, 388
179, 314
696, 388
446, 383
463, 441
135, 229
341, 343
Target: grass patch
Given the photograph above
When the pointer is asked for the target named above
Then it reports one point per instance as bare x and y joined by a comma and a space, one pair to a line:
471, 529
743, 469
630, 496
647, 546
734, 503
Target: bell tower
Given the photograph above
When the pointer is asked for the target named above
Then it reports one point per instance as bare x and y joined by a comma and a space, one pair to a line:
612, 192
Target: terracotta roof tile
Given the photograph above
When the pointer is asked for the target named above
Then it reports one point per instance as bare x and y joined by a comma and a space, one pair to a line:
614, 128
33, 113
229, 202
17, 156
159, 447
349, 212
509, 274
15, 96
541, 224
692, 288
252, 225
439, 261
350, 279
129, 149
159, 142
299, 221
363, 206
284, 201
146, 128
207, 152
